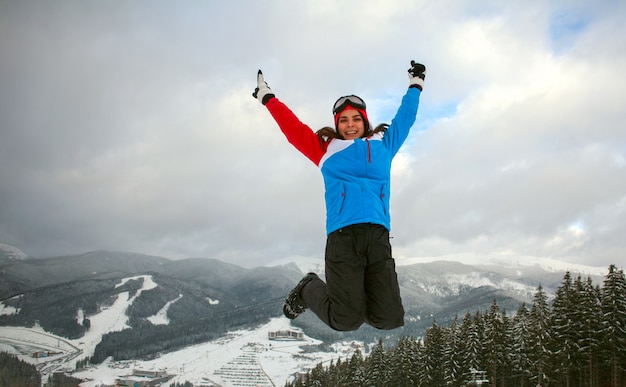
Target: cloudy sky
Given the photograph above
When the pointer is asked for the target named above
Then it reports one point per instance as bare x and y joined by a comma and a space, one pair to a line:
130, 125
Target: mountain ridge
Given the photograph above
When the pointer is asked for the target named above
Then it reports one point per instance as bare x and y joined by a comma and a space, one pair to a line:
213, 296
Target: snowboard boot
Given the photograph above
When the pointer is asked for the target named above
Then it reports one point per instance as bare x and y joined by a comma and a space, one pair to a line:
294, 305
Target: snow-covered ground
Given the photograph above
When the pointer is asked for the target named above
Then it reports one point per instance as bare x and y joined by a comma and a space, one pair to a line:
240, 358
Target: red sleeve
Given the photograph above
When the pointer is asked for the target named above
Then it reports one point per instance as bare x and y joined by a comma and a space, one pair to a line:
298, 134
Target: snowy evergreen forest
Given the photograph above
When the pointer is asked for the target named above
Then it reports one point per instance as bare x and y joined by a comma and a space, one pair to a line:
578, 339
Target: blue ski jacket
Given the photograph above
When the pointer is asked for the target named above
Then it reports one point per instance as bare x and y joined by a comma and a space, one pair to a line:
356, 172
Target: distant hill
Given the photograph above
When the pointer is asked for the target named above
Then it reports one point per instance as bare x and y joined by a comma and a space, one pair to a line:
213, 296
11, 253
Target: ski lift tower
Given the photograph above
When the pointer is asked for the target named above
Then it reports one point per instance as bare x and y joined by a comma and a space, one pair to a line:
478, 378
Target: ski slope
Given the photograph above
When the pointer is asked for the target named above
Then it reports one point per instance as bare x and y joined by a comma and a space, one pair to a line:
240, 358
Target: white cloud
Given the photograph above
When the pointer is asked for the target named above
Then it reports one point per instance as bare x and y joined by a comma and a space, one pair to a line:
133, 128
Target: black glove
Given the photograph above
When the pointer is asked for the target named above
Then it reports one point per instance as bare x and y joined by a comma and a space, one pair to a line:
417, 74
262, 92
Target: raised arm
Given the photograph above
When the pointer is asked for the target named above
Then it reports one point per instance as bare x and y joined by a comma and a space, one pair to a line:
298, 134
405, 116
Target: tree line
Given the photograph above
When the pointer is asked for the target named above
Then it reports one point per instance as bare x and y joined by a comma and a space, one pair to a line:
17, 373
577, 339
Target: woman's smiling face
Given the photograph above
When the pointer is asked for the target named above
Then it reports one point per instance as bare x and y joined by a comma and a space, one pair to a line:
350, 124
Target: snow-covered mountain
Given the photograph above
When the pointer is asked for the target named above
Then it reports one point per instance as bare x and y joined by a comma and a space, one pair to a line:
510, 262
12, 253
242, 355
204, 319
448, 276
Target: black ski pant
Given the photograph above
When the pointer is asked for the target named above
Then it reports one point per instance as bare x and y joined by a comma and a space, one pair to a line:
361, 281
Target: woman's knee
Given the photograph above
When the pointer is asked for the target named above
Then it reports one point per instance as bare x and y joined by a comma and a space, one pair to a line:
346, 323
387, 322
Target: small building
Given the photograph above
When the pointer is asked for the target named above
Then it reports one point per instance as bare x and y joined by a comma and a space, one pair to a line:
286, 334
40, 354
143, 378
148, 373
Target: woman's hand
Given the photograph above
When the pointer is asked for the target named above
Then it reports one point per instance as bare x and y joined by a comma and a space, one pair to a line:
262, 92
417, 74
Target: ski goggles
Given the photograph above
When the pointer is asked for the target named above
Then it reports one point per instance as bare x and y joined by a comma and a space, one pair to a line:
351, 100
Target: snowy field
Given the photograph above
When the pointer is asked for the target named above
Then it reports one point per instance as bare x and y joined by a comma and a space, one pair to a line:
240, 358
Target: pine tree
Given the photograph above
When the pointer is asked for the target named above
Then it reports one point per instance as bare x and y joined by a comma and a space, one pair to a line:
508, 347
420, 372
586, 329
59, 379
495, 343
464, 341
337, 372
587, 319
317, 377
353, 375
433, 356
520, 348
539, 337
404, 362
15, 372
614, 328
564, 341
453, 354
475, 352
376, 368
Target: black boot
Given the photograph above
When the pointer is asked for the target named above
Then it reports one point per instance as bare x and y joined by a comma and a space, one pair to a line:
294, 304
